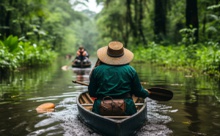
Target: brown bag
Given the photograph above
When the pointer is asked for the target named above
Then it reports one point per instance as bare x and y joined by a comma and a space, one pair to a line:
112, 107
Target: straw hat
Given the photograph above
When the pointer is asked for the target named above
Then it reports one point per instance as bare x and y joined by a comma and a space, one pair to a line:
115, 54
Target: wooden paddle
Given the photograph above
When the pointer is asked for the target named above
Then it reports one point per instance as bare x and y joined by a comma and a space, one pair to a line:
65, 67
159, 94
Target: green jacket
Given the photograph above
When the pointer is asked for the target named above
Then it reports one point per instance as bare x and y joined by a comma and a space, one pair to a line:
111, 80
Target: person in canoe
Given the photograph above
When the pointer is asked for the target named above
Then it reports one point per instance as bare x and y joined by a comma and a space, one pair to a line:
81, 56
113, 79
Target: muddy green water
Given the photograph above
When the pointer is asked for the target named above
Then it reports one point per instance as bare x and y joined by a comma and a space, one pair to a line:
193, 111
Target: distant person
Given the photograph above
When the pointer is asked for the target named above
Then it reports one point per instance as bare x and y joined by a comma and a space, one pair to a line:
68, 56
81, 55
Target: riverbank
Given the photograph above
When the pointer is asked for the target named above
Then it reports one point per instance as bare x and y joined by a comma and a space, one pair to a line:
202, 58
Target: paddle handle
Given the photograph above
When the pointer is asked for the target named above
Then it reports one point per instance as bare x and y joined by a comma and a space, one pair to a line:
159, 94
81, 83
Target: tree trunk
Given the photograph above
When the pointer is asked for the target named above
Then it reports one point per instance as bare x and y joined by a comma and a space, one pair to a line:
192, 17
7, 21
130, 20
140, 26
160, 19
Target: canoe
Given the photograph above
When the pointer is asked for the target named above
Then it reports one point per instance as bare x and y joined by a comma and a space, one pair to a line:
111, 125
82, 65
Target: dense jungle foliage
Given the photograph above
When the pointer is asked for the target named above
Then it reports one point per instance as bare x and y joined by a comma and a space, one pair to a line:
176, 34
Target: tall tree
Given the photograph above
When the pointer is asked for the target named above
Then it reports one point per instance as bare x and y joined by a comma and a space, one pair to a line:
192, 17
128, 17
160, 19
135, 16
113, 22
140, 16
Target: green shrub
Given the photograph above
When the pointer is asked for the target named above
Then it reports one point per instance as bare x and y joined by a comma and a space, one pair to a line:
15, 53
202, 57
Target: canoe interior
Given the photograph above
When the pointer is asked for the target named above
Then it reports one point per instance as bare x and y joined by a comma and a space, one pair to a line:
86, 101
111, 125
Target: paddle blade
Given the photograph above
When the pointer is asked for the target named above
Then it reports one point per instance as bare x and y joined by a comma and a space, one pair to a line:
45, 107
160, 94
65, 68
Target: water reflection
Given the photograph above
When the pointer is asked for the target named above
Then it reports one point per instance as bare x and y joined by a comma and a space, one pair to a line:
81, 74
24, 83
194, 109
55, 86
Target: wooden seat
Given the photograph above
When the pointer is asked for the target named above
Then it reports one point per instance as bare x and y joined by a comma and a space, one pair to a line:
87, 104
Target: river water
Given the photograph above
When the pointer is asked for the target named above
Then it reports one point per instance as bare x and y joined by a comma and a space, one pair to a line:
193, 111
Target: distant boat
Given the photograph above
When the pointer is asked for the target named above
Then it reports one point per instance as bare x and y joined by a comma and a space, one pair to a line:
81, 63
111, 125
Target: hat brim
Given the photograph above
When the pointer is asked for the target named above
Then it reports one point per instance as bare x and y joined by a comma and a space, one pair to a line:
125, 59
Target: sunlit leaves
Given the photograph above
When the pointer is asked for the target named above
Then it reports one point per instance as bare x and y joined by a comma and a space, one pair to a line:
14, 53
12, 43
214, 6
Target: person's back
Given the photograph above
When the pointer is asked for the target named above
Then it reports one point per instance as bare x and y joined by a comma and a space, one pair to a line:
114, 77
114, 80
